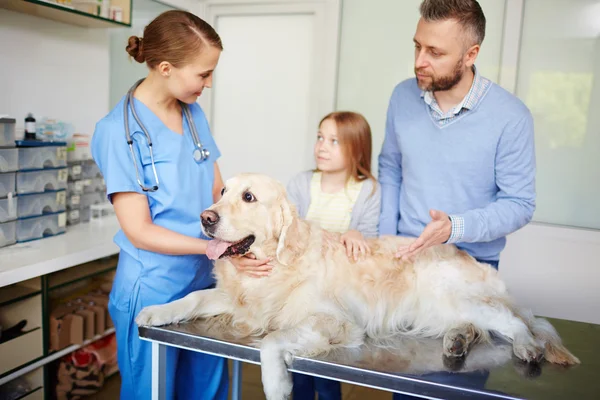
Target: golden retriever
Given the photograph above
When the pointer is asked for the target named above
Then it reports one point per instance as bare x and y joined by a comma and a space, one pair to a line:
317, 298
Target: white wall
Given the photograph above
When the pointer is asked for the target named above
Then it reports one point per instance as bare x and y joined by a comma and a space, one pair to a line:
377, 52
53, 69
552, 269
124, 71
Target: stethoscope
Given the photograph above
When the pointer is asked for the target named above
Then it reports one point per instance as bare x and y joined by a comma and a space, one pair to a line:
199, 154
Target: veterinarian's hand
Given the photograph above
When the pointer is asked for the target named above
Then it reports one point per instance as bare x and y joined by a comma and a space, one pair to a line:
355, 244
250, 266
436, 232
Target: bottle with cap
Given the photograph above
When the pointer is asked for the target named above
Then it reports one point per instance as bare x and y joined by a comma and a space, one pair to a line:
29, 127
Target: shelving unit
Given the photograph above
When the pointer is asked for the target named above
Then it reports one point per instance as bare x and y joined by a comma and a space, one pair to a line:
69, 15
35, 276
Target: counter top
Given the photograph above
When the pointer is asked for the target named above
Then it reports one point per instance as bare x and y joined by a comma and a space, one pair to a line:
417, 366
80, 244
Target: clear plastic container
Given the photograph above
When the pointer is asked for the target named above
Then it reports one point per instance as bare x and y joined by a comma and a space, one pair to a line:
75, 170
90, 170
8, 209
39, 227
7, 184
41, 181
8, 233
73, 217
73, 201
42, 157
85, 214
44, 203
75, 187
89, 199
7, 131
93, 185
9, 160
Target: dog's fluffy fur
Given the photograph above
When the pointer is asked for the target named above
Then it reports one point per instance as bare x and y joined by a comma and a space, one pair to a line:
316, 298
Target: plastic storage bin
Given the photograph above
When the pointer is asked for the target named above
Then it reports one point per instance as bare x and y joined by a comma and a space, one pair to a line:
73, 201
89, 199
8, 233
41, 181
75, 170
31, 205
90, 170
93, 185
9, 160
42, 157
85, 214
40, 227
75, 187
7, 184
73, 217
7, 131
8, 209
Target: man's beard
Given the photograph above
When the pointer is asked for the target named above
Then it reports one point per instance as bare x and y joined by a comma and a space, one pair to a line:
443, 83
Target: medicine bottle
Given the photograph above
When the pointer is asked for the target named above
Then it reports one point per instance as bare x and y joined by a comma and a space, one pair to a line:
29, 127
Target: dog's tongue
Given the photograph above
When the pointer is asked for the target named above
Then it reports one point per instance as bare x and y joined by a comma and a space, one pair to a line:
216, 248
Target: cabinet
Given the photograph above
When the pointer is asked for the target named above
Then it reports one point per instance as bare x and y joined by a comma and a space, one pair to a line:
34, 283
85, 13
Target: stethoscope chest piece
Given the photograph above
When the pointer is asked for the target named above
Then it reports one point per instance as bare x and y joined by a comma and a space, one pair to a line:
200, 155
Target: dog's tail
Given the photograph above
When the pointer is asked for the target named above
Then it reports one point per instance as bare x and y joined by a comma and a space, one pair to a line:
554, 350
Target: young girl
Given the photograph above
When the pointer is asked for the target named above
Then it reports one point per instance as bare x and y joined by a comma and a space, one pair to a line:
341, 195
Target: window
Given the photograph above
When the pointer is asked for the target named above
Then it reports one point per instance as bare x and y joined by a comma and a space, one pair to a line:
558, 78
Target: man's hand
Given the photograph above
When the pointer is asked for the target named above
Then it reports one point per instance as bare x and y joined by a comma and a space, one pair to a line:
436, 232
355, 243
250, 266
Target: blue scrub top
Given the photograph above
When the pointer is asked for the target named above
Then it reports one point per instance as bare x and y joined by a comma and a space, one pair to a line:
185, 190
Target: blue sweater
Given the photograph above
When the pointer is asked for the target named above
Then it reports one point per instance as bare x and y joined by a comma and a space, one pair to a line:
479, 168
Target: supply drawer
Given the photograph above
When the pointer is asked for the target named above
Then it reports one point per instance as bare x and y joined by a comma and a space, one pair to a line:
44, 203
8, 209
9, 160
41, 181
8, 233
39, 227
23, 319
42, 157
90, 170
26, 387
89, 199
7, 184
93, 185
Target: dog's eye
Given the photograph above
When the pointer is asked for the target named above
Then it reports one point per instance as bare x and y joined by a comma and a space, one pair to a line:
223, 191
248, 197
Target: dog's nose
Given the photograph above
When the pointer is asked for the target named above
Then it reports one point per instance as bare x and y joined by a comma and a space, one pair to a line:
209, 218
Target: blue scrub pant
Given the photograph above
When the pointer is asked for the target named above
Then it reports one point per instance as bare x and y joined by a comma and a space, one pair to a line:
189, 375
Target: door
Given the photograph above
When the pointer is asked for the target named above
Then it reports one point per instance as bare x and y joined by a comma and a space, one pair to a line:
276, 78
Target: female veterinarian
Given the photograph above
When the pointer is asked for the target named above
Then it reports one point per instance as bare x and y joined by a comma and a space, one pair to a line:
158, 160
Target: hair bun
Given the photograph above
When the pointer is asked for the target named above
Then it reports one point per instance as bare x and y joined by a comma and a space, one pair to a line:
135, 48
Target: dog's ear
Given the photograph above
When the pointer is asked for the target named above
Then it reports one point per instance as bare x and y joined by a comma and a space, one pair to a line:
288, 233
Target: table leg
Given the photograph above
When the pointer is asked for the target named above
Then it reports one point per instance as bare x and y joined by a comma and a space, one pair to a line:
159, 362
236, 387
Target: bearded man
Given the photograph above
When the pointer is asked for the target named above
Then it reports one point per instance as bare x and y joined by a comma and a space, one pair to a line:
458, 161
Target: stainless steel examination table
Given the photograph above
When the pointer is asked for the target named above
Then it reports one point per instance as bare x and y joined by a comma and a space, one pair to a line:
410, 366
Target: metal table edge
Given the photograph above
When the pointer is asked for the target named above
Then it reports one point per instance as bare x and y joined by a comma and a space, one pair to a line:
343, 373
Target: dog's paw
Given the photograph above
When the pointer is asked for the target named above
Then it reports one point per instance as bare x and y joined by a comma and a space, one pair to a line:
528, 352
155, 316
455, 345
278, 387
277, 381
